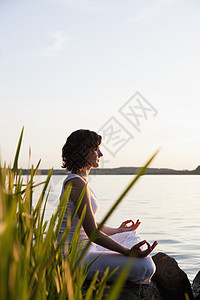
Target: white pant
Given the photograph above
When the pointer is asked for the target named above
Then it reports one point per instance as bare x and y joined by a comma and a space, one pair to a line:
142, 269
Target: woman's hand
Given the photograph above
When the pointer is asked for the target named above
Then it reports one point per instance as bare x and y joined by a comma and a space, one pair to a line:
136, 251
131, 227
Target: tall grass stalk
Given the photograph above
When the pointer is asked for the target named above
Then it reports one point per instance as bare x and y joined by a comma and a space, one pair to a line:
31, 262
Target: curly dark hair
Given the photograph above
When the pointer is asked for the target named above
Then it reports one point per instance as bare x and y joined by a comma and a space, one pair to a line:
76, 149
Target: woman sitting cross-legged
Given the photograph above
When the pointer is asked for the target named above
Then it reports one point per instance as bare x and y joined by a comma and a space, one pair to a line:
113, 246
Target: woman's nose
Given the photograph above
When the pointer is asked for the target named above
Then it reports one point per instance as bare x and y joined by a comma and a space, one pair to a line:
100, 153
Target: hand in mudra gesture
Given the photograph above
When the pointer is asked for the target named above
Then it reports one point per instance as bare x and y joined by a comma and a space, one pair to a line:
131, 227
136, 251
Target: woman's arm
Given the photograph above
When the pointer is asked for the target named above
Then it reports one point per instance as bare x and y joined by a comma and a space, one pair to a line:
127, 225
90, 225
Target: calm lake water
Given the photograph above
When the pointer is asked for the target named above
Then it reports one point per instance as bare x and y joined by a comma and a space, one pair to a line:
168, 207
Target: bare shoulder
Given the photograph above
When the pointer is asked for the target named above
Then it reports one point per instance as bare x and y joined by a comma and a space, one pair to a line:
76, 185
76, 182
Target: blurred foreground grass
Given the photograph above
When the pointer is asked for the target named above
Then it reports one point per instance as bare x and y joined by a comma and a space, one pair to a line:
31, 263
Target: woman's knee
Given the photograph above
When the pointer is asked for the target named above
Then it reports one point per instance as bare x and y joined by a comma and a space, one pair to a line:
151, 267
143, 269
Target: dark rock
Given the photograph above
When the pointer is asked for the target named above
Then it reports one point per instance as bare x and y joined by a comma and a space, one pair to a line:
133, 291
171, 281
196, 286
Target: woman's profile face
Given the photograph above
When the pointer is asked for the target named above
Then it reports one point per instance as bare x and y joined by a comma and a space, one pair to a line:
94, 157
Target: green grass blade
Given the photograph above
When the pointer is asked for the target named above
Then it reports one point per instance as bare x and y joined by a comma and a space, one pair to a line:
44, 208
100, 291
91, 288
75, 243
117, 287
62, 206
79, 202
15, 164
36, 168
39, 203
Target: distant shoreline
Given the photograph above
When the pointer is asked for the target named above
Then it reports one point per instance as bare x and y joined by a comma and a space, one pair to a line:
123, 171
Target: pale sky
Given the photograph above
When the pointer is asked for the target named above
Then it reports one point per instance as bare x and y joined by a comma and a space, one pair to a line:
66, 65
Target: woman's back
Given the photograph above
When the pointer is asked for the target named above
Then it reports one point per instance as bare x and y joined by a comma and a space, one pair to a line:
71, 207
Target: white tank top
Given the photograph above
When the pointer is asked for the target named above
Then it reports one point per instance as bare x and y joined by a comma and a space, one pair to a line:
71, 207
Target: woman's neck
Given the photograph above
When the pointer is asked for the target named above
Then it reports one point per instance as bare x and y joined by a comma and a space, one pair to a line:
83, 173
